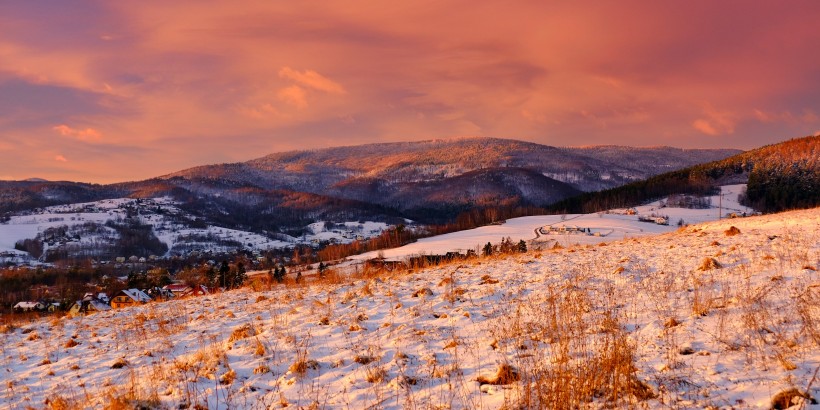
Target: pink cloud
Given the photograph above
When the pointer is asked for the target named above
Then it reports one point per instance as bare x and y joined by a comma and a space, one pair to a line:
60, 158
87, 135
313, 80
294, 95
715, 122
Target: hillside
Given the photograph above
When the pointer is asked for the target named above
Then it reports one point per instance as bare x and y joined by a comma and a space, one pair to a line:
716, 315
428, 181
780, 176
319, 171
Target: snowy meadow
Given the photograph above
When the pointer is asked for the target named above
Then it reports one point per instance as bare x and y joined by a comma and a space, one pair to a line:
720, 314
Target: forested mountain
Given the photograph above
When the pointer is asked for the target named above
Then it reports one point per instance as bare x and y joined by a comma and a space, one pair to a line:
779, 177
430, 181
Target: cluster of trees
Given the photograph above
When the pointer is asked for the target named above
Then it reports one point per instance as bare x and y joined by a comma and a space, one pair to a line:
394, 237
136, 238
228, 275
505, 247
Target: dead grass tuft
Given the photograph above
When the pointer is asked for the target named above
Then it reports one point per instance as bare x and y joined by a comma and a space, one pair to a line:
732, 231
242, 332
260, 349
791, 397
376, 375
119, 363
71, 343
301, 366
363, 359
61, 403
227, 378
505, 374
423, 292
488, 280
709, 264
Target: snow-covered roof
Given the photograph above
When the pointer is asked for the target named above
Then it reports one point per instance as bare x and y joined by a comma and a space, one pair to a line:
98, 305
137, 295
26, 305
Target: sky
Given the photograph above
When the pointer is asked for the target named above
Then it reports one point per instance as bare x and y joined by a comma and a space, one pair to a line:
115, 91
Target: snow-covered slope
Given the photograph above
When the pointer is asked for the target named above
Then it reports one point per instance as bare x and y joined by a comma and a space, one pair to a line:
83, 227
706, 316
603, 227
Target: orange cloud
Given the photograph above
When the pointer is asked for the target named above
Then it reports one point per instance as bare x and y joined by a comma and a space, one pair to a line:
294, 95
60, 158
313, 80
87, 135
716, 122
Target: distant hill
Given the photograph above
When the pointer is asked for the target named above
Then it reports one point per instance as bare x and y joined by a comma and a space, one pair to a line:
779, 177
430, 181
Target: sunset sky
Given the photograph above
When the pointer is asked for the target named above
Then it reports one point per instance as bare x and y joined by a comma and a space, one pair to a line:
125, 90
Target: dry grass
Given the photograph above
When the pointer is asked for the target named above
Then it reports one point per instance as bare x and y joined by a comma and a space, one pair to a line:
301, 366
242, 332
732, 231
505, 374
709, 264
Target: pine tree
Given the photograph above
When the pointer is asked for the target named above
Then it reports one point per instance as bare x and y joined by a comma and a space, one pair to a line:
522, 246
240, 276
488, 249
224, 272
210, 276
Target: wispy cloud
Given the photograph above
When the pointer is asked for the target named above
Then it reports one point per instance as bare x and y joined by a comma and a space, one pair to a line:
294, 95
312, 79
87, 134
715, 122
60, 158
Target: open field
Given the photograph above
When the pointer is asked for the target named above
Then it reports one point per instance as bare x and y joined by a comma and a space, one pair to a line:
702, 316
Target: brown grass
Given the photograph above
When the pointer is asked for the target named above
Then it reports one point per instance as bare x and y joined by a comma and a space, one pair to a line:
242, 332
709, 264
732, 231
301, 366
505, 374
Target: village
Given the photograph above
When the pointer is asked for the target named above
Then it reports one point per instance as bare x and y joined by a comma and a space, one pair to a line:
98, 302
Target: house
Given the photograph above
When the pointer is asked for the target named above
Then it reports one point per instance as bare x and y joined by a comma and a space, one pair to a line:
157, 293
199, 290
129, 297
89, 304
29, 306
181, 290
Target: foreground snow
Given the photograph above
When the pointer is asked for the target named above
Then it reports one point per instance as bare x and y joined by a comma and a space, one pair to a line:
698, 334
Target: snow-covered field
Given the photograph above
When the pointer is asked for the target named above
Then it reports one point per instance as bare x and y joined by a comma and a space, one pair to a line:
699, 317
604, 227
164, 217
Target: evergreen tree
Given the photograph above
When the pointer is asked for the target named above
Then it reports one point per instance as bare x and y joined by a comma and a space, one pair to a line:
322, 268
210, 276
240, 276
224, 273
279, 274
522, 246
488, 249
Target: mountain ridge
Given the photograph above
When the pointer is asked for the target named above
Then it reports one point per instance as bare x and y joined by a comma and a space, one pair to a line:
432, 180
